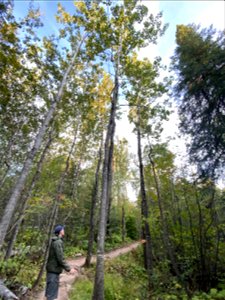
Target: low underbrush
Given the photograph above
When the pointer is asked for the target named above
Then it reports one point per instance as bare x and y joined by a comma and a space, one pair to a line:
125, 279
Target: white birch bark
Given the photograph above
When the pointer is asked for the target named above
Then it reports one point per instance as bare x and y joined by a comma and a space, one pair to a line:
5, 293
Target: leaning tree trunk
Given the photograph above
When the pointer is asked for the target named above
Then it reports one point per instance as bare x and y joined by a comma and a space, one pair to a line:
26, 196
10, 207
93, 206
146, 234
165, 233
51, 224
98, 293
54, 212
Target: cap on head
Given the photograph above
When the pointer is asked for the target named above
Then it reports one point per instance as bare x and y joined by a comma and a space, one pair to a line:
58, 228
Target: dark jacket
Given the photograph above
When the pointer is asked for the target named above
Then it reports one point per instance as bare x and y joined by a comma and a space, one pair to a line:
56, 262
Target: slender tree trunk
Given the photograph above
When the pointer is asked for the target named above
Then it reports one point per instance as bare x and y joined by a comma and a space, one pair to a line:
74, 189
98, 293
12, 202
6, 157
176, 212
203, 272
146, 234
191, 225
166, 241
123, 224
110, 180
26, 196
51, 224
2, 180
214, 222
93, 207
54, 213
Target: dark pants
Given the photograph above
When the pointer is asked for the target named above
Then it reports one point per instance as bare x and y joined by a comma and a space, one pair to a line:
52, 286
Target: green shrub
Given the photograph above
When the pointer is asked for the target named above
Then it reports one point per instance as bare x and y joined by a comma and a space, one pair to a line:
82, 290
71, 251
131, 227
124, 279
20, 269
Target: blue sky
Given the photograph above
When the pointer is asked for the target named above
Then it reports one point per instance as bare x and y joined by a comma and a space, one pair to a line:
176, 12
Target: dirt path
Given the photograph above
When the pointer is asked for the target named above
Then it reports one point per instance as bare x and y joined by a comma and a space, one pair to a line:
67, 280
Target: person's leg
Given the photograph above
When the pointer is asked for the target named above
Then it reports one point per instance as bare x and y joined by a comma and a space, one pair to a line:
52, 286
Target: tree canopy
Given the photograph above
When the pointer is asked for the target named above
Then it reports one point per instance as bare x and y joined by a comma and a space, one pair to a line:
200, 69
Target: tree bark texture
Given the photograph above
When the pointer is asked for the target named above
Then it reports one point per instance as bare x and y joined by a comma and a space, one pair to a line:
93, 207
110, 180
204, 273
166, 241
5, 293
146, 234
98, 293
26, 197
123, 224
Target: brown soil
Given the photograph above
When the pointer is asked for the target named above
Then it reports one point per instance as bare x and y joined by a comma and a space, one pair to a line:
67, 280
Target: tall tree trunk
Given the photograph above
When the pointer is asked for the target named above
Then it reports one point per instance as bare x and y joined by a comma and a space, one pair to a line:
93, 207
166, 241
51, 224
110, 180
176, 212
76, 172
215, 222
12, 202
123, 224
203, 272
54, 213
98, 293
26, 197
74, 188
146, 234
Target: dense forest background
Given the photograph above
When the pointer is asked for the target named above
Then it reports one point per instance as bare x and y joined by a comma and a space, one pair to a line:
60, 100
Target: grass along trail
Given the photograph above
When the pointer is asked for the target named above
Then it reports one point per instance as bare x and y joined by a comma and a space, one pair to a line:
67, 280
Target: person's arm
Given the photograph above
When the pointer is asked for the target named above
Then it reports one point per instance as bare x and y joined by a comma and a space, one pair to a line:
60, 256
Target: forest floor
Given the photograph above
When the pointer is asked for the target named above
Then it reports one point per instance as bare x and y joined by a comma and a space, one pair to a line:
67, 280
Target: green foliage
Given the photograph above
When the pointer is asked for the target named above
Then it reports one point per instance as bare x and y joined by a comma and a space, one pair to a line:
82, 290
198, 60
32, 68
72, 251
124, 279
212, 295
21, 269
131, 227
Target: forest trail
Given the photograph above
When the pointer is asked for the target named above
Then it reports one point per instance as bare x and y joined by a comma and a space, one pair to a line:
67, 280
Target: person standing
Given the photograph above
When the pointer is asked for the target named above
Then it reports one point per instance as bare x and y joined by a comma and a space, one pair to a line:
56, 264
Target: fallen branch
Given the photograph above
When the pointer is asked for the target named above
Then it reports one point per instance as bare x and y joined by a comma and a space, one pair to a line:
5, 293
